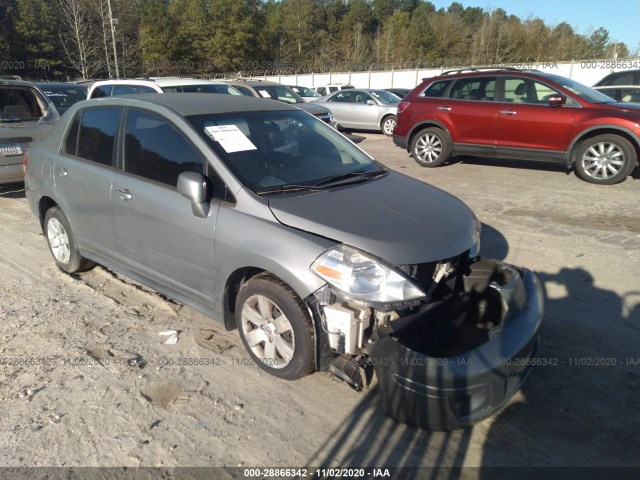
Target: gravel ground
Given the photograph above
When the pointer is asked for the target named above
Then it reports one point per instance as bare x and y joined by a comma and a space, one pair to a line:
100, 388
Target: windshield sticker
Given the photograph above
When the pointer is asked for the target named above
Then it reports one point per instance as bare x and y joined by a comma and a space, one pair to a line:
230, 137
264, 94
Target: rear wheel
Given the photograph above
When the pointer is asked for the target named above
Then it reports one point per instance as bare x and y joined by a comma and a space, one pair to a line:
275, 327
431, 147
62, 242
605, 159
388, 124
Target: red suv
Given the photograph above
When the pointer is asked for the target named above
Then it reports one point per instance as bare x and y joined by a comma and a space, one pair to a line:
523, 114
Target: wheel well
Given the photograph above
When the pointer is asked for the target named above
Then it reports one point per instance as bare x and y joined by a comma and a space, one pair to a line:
231, 289
45, 204
421, 126
603, 131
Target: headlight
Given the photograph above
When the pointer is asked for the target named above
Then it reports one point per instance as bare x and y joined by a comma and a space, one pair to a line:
361, 277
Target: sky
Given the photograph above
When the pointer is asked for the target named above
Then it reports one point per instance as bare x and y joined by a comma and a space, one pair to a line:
620, 17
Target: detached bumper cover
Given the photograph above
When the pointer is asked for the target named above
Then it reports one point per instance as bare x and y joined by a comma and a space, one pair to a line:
452, 392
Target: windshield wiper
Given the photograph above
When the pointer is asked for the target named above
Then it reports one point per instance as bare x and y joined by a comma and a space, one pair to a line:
290, 188
357, 175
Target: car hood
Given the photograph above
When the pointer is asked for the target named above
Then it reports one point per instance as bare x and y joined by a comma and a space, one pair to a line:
395, 217
312, 108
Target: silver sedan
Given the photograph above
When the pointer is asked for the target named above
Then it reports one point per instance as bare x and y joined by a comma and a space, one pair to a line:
366, 109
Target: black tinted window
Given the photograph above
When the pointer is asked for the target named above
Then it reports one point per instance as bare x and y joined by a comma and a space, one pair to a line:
156, 150
125, 89
101, 91
622, 78
71, 142
436, 89
97, 132
481, 88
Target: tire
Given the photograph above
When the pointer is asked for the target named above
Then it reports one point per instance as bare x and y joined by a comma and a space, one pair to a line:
431, 147
62, 242
388, 124
275, 327
605, 159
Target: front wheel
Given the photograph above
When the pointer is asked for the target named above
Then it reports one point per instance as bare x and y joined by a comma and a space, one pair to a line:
388, 124
605, 159
431, 147
275, 327
62, 242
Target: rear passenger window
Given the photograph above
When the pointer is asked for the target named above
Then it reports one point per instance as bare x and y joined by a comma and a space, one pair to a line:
154, 149
436, 89
143, 89
125, 89
71, 142
478, 89
97, 133
101, 91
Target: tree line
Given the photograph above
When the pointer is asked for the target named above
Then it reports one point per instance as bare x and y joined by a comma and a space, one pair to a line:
73, 39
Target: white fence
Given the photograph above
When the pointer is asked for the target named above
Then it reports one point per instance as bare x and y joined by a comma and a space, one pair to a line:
584, 71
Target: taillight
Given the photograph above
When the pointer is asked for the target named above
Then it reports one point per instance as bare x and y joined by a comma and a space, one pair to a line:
25, 162
402, 106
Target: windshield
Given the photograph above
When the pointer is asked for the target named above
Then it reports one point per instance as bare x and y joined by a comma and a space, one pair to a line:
205, 88
305, 92
272, 150
384, 97
64, 96
584, 92
278, 92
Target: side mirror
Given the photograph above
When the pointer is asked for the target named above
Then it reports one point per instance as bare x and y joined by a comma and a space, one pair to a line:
371, 102
193, 186
557, 100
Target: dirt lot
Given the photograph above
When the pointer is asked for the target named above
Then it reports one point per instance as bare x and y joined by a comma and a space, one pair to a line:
99, 391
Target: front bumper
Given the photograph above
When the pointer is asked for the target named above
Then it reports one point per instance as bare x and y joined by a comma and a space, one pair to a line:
457, 391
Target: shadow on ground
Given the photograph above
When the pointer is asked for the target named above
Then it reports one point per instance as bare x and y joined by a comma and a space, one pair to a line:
12, 190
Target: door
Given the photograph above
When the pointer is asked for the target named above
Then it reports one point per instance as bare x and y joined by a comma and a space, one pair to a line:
156, 232
526, 121
83, 173
341, 105
469, 113
364, 115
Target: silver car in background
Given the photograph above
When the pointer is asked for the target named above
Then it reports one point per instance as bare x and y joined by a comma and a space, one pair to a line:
268, 220
363, 109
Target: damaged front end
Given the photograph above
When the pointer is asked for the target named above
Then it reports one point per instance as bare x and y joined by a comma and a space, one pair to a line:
450, 341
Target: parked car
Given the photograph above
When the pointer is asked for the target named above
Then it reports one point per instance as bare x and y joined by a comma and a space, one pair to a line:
26, 115
108, 88
621, 86
529, 115
269, 221
63, 94
332, 87
364, 109
399, 92
306, 93
281, 93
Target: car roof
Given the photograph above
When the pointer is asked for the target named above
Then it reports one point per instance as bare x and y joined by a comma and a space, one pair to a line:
16, 83
252, 82
59, 84
158, 81
195, 103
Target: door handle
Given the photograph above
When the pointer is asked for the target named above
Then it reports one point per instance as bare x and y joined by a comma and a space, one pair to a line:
508, 112
62, 172
124, 195
446, 109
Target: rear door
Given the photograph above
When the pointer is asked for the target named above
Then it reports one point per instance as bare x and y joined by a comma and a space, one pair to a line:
469, 114
365, 115
83, 172
527, 125
156, 232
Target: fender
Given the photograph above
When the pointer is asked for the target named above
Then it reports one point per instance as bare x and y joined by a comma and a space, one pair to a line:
606, 126
423, 124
